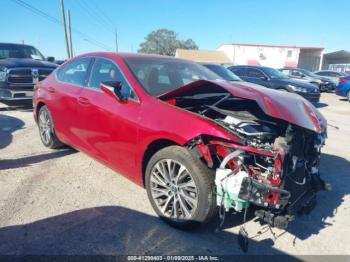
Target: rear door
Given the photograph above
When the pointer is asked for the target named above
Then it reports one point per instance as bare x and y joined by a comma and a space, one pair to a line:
108, 128
65, 92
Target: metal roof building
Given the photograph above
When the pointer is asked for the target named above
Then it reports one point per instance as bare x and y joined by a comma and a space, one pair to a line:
337, 61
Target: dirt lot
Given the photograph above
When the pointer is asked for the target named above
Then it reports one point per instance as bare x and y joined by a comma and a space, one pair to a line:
63, 202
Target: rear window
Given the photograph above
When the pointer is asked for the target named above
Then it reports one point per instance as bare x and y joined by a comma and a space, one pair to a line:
240, 71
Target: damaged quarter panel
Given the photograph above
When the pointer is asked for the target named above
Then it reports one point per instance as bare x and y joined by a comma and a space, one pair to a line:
175, 124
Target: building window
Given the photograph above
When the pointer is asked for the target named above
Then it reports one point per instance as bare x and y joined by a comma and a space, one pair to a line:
289, 53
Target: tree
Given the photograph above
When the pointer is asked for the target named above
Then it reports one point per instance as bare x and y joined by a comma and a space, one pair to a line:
164, 42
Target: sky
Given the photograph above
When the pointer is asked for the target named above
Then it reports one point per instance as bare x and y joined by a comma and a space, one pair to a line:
210, 23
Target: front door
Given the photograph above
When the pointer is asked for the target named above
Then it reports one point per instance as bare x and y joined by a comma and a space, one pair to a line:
109, 128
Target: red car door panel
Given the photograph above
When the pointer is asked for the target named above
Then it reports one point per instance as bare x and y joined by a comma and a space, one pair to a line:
65, 94
108, 129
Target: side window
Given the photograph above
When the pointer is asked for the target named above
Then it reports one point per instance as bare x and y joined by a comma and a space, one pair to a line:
105, 70
285, 71
239, 71
296, 73
75, 72
251, 72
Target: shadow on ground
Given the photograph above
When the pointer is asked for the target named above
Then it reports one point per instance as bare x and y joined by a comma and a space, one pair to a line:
30, 160
320, 105
113, 230
8, 125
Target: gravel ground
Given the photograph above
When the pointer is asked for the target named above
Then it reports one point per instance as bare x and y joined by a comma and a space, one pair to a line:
64, 202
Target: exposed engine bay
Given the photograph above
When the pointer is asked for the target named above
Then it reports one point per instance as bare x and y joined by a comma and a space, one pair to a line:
273, 166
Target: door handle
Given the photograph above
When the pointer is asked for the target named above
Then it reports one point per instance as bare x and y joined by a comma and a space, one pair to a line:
83, 101
51, 89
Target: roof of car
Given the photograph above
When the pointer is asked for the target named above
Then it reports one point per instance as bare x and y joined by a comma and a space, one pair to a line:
133, 55
214, 64
250, 66
14, 44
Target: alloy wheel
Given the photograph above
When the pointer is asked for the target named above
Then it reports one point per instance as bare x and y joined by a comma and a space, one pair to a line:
45, 126
173, 189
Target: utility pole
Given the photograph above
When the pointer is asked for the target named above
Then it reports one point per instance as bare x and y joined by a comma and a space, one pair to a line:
116, 40
65, 28
70, 33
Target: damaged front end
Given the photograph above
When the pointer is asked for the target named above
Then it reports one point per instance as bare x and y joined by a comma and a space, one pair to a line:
275, 164
277, 173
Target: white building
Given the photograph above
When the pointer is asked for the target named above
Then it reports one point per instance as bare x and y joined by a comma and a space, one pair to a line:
274, 56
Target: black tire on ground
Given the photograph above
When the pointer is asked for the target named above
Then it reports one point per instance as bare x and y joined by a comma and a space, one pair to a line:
47, 130
202, 177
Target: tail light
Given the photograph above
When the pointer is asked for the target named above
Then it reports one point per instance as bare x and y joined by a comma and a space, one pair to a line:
343, 80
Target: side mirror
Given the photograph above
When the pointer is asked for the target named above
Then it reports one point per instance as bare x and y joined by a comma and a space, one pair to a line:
50, 59
264, 78
112, 89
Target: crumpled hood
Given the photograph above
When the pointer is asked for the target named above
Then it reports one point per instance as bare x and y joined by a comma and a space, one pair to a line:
25, 62
282, 105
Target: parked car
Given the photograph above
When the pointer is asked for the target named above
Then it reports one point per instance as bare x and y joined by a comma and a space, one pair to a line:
20, 66
274, 79
222, 71
174, 127
343, 88
325, 84
331, 75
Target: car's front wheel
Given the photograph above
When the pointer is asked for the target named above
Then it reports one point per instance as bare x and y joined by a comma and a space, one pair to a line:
46, 129
180, 187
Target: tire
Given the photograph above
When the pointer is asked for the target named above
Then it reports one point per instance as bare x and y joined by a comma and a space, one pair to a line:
46, 129
348, 96
191, 190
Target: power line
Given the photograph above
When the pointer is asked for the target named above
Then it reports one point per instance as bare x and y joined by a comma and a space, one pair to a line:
97, 9
43, 14
99, 21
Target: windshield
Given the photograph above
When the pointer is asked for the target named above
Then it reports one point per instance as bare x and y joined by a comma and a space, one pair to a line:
223, 72
273, 73
162, 75
19, 51
306, 72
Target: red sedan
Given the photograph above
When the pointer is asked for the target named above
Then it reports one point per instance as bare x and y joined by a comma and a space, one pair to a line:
195, 141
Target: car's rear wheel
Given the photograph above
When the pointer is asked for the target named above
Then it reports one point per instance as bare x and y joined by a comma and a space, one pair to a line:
180, 188
46, 129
